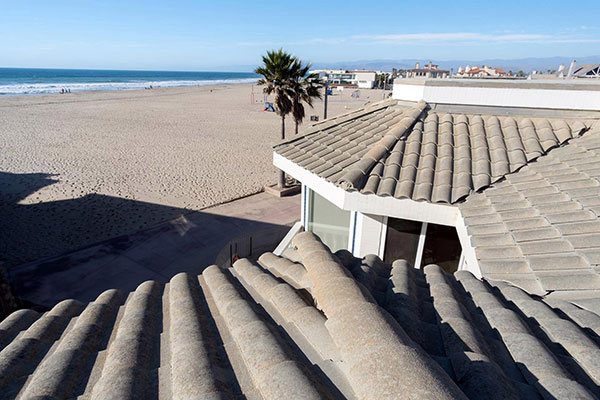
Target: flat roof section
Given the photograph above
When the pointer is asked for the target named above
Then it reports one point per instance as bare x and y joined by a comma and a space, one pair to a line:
555, 94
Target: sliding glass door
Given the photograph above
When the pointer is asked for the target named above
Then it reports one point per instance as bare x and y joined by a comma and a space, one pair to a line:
329, 222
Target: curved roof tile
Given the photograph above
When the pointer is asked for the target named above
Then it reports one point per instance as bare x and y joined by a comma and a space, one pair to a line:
417, 138
323, 326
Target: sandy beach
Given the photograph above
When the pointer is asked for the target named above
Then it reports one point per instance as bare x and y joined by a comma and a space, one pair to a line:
80, 168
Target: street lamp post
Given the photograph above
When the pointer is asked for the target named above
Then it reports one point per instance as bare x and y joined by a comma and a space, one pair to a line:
325, 100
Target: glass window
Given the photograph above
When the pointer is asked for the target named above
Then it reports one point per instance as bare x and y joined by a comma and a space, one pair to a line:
442, 247
402, 240
329, 222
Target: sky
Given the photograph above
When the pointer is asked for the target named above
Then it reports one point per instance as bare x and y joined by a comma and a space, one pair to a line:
230, 35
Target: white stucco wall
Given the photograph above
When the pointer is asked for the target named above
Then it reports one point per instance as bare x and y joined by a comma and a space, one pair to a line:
564, 95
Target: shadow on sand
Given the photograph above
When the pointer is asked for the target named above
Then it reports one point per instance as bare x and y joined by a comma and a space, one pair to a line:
81, 250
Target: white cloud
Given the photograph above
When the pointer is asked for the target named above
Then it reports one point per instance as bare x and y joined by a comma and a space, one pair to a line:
433, 38
473, 37
332, 40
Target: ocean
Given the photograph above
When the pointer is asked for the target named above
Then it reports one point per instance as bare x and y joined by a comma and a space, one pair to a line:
30, 81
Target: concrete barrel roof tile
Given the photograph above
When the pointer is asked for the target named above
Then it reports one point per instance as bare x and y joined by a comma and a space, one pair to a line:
537, 198
487, 146
592, 190
541, 189
444, 167
545, 133
422, 191
526, 175
476, 211
546, 246
556, 230
558, 208
501, 239
592, 255
486, 229
526, 235
14, 323
373, 327
572, 216
579, 279
404, 188
505, 266
441, 193
282, 267
384, 332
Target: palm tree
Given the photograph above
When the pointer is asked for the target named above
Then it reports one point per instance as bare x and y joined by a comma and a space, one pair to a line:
278, 74
305, 88
277, 71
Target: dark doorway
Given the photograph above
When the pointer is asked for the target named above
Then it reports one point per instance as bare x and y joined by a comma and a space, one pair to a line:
442, 247
402, 240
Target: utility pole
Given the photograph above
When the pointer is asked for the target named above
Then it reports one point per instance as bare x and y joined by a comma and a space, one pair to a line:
325, 102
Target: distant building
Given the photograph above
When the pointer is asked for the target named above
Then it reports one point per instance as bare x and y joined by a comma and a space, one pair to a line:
587, 71
358, 78
581, 71
429, 70
483, 72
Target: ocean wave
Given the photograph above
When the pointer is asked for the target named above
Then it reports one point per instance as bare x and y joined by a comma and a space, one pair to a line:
52, 88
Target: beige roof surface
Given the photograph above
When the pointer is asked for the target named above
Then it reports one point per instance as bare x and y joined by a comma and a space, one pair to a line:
539, 227
531, 183
332, 326
410, 150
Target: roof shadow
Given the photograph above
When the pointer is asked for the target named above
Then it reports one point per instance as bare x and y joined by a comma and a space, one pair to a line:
77, 248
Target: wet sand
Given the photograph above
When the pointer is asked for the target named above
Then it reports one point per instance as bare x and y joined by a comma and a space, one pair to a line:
80, 168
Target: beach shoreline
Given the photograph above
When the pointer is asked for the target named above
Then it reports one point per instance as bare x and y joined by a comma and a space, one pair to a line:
36, 81
80, 168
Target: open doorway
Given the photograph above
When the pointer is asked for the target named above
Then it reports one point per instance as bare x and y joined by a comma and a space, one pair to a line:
401, 240
441, 247
422, 244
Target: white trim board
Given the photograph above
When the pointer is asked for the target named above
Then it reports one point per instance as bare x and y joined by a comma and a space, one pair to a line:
326, 189
441, 214
468, 251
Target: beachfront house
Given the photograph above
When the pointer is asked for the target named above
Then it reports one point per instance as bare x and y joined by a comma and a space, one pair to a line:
428, 70
498, 178
359, 78
483, 72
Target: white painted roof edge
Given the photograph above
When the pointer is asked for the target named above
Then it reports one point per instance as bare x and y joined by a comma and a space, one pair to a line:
563, 97
442, 214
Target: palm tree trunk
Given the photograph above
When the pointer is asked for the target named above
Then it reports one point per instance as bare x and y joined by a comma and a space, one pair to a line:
296, 128
281, 179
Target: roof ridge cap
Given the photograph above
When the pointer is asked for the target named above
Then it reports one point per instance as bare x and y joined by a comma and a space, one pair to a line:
347, 116
352, 179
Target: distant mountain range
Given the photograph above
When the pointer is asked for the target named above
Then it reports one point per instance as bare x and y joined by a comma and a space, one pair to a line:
519, 64
515, 65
